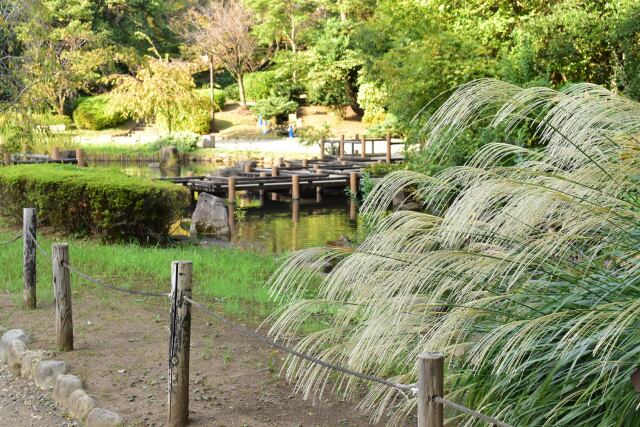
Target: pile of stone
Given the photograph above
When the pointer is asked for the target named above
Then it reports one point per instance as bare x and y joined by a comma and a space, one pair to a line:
53, 375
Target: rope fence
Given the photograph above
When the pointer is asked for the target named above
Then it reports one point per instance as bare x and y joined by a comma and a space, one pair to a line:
428, 389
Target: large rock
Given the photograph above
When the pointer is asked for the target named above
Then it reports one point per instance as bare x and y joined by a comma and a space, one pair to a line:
99, 417
63, 387
210, 218
80, 404
169, 156
47, 371
404, 201
10, 335
30, 360
15, 350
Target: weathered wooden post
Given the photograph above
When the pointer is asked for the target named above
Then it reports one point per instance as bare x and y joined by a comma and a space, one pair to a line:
80, 157
322, 149
341, 148
261, 191
295, 187
430, 385
388, 147
29, 256
318, 194
363, 144
353, 183
248, 167
353, 211
7, 159
62, 294
179, 343
305, 163
55, 153
295, 211
274, 170
231, 189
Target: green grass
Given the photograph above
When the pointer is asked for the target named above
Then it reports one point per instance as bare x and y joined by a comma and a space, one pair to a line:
233, 278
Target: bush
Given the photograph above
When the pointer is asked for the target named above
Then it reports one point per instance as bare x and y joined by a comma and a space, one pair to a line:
197, 119
231, 92
259, 85
275, 107
185, 142
94, 202
93, 113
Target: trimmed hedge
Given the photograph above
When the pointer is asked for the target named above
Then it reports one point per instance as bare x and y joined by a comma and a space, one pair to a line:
96, 202
92, 113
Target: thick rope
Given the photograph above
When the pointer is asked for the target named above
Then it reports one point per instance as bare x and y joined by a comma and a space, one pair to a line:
17, 237
471, 412
406, 389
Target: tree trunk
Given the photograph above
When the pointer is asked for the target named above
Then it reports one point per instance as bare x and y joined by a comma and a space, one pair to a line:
61, 101
243, 101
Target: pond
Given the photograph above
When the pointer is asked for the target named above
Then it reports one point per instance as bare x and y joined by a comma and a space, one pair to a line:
273, 226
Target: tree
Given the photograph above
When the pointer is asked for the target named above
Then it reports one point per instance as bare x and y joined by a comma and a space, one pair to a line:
65, 55
222, 30
160, 90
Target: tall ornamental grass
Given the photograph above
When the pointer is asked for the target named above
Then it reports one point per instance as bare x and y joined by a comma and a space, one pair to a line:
522, 270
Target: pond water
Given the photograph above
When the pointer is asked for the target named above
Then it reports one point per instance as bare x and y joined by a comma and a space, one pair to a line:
273, 226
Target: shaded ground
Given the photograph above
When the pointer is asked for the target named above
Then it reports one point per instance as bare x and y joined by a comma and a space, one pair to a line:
121, 352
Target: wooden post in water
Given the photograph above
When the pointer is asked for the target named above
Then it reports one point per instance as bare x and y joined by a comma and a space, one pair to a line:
261, 191
430, 385
179, 344
62, 294
353, 183
247, 167
305, 163
80, 157
55, 153
295, 187
29, 256
322, 149
231, 189
295, 211
7, 159
363, 145
341, 148
274, 170
388, 147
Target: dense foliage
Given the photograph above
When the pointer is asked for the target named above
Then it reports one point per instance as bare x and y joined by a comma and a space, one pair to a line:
96, 202
93, 113
523, 271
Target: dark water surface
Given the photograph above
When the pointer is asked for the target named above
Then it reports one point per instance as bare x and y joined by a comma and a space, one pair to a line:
275, 226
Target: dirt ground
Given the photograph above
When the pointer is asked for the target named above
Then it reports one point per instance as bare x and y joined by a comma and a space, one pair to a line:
121, 355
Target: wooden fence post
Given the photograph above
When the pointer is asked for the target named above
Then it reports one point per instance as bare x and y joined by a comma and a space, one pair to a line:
55, 153
388, 147
305, 163
29, 256
295, 187
430, 385
62, 293
179, 343
7, 159
274, 170
353, 183
231, 189
341, 148
80, 157
322, 149
248, 167
363, 144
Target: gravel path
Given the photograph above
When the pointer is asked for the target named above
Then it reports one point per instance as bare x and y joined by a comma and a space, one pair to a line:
25, 405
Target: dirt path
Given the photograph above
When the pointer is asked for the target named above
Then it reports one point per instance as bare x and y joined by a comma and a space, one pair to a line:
22, 404
121, 352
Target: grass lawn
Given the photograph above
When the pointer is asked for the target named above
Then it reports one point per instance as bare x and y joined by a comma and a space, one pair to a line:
233, 278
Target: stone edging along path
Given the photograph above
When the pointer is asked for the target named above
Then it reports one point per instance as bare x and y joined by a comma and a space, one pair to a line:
54, 375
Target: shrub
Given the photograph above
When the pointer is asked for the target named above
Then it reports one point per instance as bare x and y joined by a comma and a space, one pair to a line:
275, 107
185, 142
232, 92
197, 118
94, 113
259, 85
94, 202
